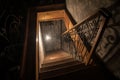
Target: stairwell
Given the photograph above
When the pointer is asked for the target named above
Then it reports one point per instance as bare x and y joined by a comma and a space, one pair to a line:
73, 69
59, 68
70, 69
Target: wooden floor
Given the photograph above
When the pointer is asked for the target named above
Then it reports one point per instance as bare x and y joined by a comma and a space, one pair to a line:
55, 56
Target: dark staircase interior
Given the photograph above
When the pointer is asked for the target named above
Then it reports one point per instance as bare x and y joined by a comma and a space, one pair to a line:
18, 36
71, 69
58, 68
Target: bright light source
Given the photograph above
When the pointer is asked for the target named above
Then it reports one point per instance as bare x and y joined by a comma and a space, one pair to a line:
47, 38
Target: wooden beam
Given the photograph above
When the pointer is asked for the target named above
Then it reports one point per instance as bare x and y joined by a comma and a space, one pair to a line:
50, 15
52, 7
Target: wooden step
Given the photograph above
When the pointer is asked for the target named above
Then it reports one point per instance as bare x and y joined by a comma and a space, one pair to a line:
59, 66
61, 69
62, 61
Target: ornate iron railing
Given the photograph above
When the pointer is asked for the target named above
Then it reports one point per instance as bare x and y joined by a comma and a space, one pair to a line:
86, 35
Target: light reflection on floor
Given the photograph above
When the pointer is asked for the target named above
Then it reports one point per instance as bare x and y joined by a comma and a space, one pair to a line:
55, 56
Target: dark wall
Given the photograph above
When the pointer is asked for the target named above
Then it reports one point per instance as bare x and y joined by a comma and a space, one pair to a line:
81, 9
109, 46
12, 31
13, 15
57, 42
53, 30
67, 43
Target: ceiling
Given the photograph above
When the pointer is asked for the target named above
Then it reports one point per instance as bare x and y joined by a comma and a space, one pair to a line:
28, 3
42, 2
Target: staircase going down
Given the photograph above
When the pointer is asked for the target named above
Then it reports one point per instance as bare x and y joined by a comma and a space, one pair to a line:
61, 67
70, 69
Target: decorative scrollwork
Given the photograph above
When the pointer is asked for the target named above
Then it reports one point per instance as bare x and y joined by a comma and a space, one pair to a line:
86, 35
108, 42
12, 25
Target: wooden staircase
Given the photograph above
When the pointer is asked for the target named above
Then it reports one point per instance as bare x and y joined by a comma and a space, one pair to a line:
58, 68
85, 44
70, 69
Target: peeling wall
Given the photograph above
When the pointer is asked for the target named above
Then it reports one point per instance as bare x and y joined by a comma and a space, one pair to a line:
81, 9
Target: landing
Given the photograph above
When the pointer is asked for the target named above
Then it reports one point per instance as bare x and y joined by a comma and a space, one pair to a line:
56, 56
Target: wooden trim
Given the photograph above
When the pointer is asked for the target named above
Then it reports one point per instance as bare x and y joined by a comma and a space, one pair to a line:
70, 17
25, 47
50, 15
37, 51
28, 61
52, 7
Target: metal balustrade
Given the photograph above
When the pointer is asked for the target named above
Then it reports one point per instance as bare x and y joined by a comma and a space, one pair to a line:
86, 35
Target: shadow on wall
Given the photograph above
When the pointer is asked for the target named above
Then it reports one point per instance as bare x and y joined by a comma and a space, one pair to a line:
12, 28
109, 46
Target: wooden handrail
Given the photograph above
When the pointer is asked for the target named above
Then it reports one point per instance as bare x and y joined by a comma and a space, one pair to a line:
85, 35
102, 11
81, 22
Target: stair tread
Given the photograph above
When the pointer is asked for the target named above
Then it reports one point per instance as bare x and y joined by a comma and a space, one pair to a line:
65, 60
61, 71
59, 66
